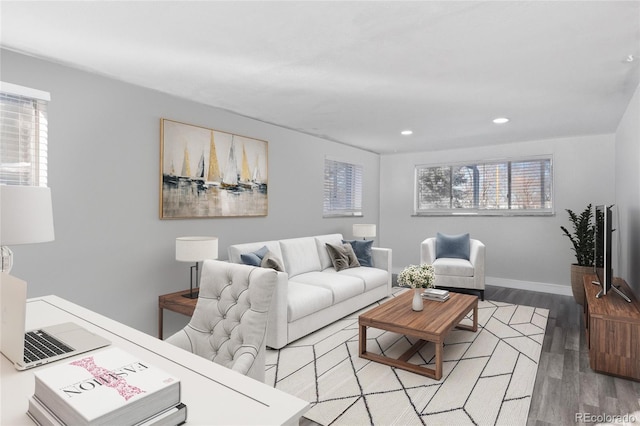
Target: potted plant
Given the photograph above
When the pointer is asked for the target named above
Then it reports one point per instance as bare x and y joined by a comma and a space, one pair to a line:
582, 239
417, 277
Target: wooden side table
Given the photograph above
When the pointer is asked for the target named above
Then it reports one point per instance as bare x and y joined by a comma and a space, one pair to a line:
176, 303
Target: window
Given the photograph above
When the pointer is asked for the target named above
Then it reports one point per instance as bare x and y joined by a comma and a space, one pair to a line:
500, 187
342, 189
23, 135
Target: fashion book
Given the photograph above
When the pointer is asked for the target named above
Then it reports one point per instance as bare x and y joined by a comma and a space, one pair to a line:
108, 386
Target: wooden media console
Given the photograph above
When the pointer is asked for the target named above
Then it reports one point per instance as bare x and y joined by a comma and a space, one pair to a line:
613, 330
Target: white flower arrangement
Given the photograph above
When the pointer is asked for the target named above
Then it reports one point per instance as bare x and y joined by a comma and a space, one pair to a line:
417, 276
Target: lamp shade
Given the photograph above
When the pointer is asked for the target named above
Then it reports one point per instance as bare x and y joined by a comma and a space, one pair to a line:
364, 230
26, 215
196, 249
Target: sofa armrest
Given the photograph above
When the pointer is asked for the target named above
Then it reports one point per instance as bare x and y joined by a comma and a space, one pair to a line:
381, 259
277, 327
428, 251
477, 259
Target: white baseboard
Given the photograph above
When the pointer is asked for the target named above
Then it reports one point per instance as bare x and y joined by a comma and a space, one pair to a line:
563, 290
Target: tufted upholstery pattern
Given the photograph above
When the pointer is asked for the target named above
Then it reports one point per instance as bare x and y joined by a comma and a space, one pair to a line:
229, 324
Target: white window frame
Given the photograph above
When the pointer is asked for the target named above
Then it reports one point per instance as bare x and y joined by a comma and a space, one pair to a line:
24, 157
510, 210
343, 183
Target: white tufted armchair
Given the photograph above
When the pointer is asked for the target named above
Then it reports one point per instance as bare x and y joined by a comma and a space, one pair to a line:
229, 324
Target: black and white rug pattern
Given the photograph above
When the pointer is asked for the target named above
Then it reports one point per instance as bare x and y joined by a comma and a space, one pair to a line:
488, 376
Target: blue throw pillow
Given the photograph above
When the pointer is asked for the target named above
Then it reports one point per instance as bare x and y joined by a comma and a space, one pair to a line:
456, 246
254, 258
362, 249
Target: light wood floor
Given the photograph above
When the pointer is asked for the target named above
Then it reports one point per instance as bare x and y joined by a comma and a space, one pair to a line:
565, 385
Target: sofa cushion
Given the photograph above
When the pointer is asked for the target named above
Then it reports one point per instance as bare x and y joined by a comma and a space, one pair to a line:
270, 260
452, 246
372, 277
254, 258
342, 256
235, 251
362, 249
321, 241
300, 255
452, 266
303, 300
342, 287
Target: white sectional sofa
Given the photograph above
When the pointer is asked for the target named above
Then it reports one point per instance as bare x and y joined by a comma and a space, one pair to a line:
310, 293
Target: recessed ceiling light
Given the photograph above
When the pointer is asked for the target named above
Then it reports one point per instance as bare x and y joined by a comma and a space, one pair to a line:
501, 120
406, 132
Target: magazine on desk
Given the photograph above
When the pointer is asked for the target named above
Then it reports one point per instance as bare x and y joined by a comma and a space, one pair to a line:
110, 386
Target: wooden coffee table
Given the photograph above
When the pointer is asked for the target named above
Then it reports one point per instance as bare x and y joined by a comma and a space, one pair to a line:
432, 324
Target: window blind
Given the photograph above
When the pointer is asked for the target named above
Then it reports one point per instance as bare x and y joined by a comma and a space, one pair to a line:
342, 188
500, 187
23, 135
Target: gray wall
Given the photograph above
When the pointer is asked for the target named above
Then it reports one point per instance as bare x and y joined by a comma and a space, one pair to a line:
627, 172
112, 253
527, 252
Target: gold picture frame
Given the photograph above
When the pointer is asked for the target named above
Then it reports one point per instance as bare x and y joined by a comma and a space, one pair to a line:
208, 173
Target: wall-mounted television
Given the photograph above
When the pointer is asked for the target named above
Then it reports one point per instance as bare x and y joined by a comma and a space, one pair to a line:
603, 252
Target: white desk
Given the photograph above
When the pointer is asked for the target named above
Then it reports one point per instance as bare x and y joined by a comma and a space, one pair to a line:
213, 394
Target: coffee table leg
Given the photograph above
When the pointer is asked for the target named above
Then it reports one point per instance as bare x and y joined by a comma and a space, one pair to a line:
362, 345
474, 323
475, 317
439, 352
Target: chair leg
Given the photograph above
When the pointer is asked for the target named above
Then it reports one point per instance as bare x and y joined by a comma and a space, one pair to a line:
482, 295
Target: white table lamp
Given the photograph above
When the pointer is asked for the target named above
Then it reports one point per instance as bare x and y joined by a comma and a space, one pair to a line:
26, 217
364, 230
195, 249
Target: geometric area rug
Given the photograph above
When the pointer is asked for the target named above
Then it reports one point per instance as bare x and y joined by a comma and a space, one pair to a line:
488, 375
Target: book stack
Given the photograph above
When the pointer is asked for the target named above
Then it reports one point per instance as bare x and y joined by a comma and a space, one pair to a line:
106, 387
436, 294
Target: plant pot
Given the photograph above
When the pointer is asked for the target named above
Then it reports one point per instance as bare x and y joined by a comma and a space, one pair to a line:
577, 281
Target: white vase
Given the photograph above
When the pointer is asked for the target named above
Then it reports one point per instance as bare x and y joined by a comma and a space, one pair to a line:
417, 304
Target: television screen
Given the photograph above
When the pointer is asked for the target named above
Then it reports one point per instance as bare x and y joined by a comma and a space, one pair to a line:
602, 247
603, 251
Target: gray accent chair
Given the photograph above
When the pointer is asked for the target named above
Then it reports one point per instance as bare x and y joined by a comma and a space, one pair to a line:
454, 273
229, 324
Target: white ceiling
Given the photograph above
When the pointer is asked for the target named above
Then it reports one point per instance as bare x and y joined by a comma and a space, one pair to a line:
360, 72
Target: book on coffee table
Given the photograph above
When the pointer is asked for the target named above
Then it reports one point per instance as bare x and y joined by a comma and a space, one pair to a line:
436, 292
436, 298
110, 386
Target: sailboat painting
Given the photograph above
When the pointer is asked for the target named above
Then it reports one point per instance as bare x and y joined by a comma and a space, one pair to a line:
207, 173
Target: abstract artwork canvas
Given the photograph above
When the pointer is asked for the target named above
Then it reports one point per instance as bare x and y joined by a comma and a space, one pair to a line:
208, 173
